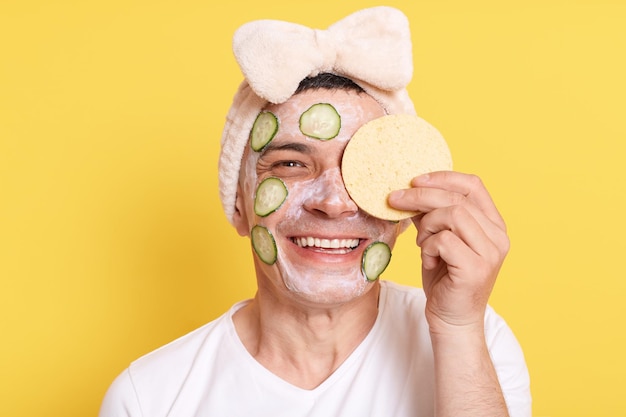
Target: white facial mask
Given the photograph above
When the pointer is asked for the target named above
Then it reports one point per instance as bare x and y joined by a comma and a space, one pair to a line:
302, 215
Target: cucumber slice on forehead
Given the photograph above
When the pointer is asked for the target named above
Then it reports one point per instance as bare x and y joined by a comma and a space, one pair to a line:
320, 121
264, 244
269, 196
263, 130
376, 257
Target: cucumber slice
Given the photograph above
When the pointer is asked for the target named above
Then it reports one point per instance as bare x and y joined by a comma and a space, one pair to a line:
263, 130
376, 257
264, 244
269, 196
320, 121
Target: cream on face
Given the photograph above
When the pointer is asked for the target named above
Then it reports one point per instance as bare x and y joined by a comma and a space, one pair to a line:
320, 233
342, 281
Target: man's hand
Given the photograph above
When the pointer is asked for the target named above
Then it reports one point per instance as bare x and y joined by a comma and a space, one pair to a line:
463, 240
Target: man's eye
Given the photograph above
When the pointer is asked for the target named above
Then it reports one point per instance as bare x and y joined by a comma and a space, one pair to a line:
284, 165
288, 164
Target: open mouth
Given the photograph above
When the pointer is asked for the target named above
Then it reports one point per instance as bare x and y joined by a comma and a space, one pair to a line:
331, 246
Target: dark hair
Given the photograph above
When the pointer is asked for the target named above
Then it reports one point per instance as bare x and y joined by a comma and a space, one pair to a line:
328, 81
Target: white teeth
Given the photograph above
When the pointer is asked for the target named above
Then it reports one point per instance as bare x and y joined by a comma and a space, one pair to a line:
304, 242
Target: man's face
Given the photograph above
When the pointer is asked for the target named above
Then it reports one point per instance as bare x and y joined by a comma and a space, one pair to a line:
319, 231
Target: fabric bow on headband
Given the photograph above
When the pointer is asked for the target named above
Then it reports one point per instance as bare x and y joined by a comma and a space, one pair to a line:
372, 46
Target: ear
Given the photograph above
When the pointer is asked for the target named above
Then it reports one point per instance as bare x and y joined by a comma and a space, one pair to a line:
240, 219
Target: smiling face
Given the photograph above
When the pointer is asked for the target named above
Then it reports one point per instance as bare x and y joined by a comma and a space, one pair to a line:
320, 233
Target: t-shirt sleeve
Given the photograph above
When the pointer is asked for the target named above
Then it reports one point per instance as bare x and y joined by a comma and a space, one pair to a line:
120, 399
508, 359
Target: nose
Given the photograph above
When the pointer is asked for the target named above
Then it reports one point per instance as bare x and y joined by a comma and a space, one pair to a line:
329, 197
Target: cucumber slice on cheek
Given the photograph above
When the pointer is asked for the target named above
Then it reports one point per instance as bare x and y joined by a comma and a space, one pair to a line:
264, 244
263, 130
320, 121
376, 257
270, 195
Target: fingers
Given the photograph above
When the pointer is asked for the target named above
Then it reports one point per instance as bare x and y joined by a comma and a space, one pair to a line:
448, 188
449, 248
456, 203
461, 222
453, 235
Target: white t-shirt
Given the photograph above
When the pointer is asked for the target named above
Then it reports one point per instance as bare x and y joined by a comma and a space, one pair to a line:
209, 372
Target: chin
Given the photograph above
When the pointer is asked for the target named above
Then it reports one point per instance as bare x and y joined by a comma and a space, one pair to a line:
328, 290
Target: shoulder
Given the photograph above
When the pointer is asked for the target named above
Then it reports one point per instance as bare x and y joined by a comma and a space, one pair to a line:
405, 304
403, 307
180, 352
121, 399
159, 374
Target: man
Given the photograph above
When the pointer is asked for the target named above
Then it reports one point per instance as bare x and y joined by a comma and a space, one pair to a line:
319, 339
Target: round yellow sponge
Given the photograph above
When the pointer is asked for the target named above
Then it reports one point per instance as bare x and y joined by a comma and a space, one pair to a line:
385, 154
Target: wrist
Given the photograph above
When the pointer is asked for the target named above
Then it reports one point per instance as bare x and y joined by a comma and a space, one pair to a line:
456, 328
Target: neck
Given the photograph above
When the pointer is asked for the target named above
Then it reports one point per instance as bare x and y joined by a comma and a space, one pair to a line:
303, 343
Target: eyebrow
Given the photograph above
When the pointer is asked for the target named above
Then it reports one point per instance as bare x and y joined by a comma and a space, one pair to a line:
289, 146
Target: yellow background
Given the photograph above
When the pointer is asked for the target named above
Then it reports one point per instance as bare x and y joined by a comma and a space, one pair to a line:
112, 237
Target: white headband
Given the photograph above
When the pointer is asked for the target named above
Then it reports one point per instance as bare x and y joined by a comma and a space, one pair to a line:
372, 47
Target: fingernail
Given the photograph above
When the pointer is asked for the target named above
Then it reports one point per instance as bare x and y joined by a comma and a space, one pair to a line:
423, 179
396, 195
